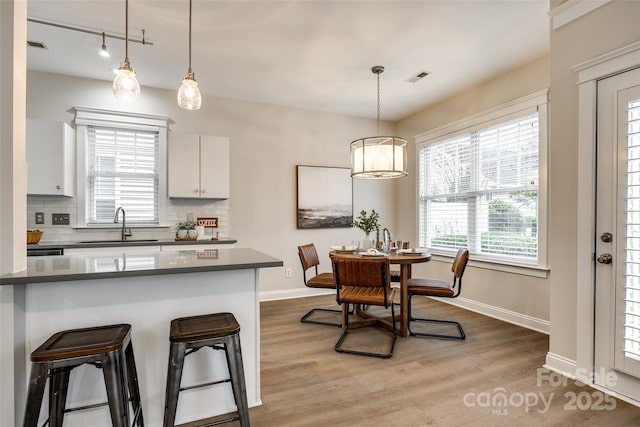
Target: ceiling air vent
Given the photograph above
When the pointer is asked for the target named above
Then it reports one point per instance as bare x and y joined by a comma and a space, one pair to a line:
418, 76
38, 45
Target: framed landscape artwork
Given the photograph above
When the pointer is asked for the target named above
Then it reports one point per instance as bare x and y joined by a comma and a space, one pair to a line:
325, 197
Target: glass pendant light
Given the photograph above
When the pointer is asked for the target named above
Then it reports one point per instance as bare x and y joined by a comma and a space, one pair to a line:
379, 156
125, 85
189, 95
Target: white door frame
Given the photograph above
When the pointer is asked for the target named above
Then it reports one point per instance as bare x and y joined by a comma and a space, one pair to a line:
589, 73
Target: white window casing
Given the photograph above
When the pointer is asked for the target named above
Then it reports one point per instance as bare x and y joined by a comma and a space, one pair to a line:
482, 183
121, 161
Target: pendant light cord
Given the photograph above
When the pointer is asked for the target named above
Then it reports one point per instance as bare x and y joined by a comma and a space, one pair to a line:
190, 35
378, 123
126, 31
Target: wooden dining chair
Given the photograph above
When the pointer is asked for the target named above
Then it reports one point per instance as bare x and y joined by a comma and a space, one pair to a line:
309, 259
440, 289
363, 282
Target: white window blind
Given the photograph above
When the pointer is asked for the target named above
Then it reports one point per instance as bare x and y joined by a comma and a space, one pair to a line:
632, 261
479, 189
122, 170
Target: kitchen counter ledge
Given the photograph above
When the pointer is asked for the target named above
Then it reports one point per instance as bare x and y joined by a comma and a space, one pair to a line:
120, 264
132, 242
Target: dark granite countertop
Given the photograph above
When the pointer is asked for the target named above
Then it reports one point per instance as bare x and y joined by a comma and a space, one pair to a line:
119, 264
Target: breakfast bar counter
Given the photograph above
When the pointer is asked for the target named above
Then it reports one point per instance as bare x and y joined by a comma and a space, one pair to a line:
146, 290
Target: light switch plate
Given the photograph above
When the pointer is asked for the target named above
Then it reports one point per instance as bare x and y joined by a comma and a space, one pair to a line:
60, 219
39, 217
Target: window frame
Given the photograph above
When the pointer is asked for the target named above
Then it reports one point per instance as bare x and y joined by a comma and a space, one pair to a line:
537, 100
124, 120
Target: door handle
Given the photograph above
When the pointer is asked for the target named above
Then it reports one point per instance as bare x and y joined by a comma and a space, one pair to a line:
605, 259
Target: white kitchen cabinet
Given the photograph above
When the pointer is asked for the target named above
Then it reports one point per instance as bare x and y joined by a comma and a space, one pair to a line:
50, 158
198, 166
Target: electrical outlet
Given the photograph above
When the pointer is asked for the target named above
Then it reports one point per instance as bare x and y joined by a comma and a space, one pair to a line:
60, 219
288, 273
39, 217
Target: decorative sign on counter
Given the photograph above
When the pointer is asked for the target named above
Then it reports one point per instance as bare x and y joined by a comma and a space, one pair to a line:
208, 253
208, 222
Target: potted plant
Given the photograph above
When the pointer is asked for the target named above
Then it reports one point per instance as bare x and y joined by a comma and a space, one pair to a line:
368, 223
186, 230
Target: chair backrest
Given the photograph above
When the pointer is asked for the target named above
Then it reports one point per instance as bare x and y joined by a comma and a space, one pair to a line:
309, 258
458, 267
460, 263
361, 272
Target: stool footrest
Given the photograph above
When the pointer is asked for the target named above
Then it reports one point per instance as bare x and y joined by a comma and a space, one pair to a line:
206, 423
228, 380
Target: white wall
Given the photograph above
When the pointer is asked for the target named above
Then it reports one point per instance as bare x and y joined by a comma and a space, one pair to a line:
608, 28
267, 142
513, 297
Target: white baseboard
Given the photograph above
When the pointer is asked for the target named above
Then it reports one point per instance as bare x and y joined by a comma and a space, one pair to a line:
561, 365
499, 313
293, 293
567, 367
509, 316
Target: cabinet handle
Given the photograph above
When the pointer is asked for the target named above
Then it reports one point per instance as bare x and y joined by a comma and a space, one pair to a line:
196, 191
57, 187
203, 190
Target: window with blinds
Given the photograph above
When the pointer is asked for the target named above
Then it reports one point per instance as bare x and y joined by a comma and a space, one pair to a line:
122, 170
479, 189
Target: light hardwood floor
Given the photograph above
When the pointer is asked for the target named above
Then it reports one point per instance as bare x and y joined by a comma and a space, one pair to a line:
428, 382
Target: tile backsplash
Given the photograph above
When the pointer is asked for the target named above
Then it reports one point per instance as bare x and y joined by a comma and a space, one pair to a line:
177, 210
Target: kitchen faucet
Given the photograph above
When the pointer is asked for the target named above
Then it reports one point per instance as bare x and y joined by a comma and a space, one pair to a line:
126, 232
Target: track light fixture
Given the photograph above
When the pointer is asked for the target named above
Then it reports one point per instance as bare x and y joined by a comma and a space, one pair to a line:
103, 50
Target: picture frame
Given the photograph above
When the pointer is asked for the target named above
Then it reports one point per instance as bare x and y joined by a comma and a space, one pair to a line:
324, 197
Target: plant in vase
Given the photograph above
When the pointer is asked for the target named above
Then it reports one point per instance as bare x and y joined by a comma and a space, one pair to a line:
368, 223
186, 230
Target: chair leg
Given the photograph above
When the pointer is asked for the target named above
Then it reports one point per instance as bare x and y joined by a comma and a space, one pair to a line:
114, 378
134, 387
37, 382
338, 347
58, 387
305, 318
236, 372
174, 376
460, 336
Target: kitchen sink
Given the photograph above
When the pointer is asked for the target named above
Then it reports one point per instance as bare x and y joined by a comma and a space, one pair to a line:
120, 241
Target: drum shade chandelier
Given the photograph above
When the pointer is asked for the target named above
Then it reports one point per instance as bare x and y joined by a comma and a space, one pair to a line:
189, 95
125, 85
379, 157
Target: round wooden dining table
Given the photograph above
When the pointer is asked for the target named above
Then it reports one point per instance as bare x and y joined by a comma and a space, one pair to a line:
405, 261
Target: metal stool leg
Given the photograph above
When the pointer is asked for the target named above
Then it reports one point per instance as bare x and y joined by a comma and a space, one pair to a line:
236, 372
134, 388
37, 382
58, 395
174, 376
114, 378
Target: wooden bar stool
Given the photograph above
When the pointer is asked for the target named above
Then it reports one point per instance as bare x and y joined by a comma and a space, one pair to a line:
105, 347
219, 331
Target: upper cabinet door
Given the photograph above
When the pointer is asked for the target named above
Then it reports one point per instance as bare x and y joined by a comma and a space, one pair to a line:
50, 158
214, 167
184, 165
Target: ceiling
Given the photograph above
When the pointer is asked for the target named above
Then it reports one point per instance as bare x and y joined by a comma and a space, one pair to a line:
300, 53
